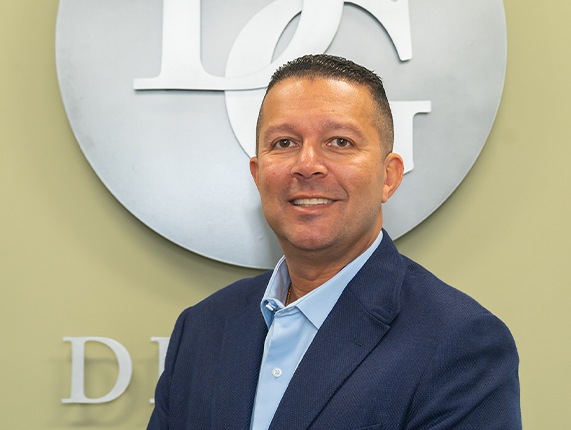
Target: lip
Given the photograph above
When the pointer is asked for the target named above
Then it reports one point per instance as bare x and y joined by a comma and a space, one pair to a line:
311, 202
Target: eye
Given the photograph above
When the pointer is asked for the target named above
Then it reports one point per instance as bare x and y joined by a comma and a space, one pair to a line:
340, 142
284, 143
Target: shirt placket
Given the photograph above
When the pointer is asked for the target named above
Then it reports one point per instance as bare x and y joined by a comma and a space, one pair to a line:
279, 366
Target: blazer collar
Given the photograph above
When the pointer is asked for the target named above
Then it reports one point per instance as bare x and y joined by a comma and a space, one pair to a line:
356, 324
378, 284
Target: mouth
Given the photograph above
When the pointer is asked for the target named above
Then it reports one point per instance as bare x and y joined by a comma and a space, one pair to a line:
311, 202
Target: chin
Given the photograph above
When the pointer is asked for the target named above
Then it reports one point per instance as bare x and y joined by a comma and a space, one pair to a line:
311, 242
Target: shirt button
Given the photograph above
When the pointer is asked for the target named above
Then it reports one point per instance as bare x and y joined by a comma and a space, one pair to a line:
277, 372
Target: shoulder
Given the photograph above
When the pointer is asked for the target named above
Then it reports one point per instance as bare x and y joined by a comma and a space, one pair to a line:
463, 333
201, 327
423, 293
470, 361
391, 286
422, 285
469, 354
422, 309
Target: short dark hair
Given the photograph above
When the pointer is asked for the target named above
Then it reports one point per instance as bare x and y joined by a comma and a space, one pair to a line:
339, 68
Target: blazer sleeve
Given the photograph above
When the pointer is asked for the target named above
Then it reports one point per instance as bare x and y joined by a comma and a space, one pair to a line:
471, 382
160, 416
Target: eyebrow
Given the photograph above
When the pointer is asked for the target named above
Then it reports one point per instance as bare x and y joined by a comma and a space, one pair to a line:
333, 125
280, 128
326, 124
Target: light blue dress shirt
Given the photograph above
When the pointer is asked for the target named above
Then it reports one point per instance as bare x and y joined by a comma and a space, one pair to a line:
291, 329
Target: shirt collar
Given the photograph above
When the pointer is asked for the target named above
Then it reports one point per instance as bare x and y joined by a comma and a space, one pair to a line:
317, 304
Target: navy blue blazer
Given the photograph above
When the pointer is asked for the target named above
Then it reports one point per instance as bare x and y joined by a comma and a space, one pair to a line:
399, 350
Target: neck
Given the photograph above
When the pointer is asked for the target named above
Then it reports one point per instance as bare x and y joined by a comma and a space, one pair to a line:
305, 281
310, 269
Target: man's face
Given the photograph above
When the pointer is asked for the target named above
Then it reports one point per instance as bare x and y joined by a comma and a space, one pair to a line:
320, 168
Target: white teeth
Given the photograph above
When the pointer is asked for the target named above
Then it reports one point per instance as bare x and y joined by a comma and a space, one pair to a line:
311, 202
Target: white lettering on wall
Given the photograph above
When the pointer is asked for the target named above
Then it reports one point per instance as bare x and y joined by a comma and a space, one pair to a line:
125, 368
163, 346
181, 67
250, 66
78, 369
403, 115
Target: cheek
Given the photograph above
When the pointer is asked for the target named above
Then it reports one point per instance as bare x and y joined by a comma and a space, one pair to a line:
365, 180
273, 179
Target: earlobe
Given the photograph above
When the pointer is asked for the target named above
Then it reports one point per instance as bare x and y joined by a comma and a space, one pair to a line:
254, 169
394, 170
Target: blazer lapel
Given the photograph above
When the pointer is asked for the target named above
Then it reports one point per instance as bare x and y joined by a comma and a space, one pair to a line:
356, 324
238, 368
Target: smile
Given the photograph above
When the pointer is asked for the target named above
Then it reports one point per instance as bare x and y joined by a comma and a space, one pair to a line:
311, 202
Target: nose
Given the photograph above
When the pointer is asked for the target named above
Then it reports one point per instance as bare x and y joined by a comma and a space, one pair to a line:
309, 162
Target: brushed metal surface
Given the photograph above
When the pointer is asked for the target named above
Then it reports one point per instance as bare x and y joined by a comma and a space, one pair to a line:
172, 156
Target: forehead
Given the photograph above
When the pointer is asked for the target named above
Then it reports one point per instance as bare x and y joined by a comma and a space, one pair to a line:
311, 100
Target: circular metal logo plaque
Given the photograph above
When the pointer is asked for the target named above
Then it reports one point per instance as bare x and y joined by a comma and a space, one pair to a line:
162, 96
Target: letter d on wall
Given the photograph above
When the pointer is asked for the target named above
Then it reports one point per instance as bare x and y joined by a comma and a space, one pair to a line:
78, 369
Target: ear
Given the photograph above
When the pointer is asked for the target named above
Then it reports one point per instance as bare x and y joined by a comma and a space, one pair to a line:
394, 170
254, 169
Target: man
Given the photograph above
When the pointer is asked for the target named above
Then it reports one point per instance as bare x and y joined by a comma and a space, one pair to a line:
345, 333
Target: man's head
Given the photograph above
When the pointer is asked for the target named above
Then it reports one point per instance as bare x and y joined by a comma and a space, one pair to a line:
322, 168
338, 68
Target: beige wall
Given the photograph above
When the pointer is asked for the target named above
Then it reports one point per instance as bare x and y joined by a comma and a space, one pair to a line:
74, 262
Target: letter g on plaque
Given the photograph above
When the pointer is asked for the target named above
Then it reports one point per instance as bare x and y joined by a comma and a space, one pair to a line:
250, 66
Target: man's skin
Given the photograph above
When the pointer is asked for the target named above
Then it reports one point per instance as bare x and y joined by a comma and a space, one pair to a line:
399, 349
320, 139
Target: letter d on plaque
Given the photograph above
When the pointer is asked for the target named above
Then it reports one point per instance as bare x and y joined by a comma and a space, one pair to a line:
78, 369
